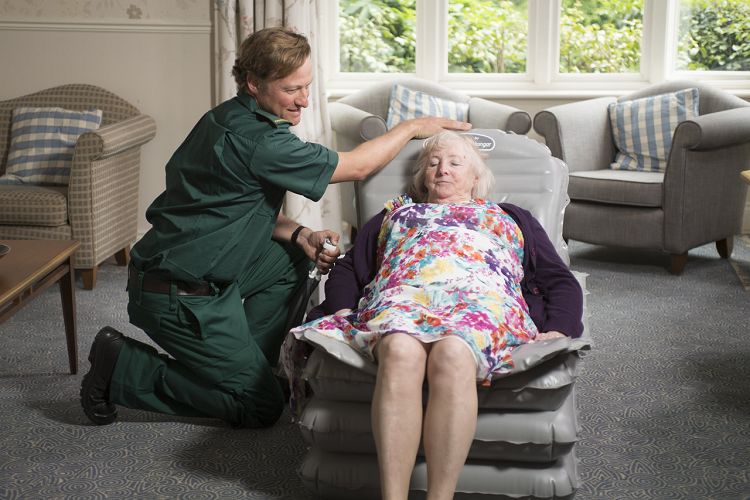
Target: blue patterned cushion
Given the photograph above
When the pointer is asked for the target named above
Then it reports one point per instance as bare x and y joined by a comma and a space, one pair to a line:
406, 104
42, 142
643, 128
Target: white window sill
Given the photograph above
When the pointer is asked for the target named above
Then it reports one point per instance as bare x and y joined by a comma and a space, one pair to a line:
572, 88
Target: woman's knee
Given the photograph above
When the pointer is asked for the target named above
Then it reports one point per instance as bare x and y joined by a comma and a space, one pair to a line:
452, 358
400, 351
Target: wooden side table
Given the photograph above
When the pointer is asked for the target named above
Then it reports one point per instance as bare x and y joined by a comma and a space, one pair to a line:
29, 268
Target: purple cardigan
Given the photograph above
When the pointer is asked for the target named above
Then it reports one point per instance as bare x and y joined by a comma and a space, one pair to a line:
554, 297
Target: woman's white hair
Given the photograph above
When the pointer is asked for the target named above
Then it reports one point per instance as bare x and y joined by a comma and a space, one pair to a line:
485, 178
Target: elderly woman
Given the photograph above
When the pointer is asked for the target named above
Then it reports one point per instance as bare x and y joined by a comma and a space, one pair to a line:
441, 286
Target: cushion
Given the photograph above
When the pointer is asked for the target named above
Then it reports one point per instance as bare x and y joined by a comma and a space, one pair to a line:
617, 187
33, 206
355, 475
406, 104
42, 142
541, 388
524, 357
532, 436
643, 128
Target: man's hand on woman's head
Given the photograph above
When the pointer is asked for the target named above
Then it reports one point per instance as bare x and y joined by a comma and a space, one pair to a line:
312, 243
431, 125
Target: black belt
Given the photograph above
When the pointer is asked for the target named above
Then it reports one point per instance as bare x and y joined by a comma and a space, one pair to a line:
152, 283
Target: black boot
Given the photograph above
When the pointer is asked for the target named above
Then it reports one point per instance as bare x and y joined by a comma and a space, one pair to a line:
95, 386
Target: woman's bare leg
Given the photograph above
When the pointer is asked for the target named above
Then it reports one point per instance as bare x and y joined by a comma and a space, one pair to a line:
397, 411
451, 416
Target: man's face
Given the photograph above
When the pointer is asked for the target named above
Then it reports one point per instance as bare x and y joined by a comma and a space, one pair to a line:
286, 96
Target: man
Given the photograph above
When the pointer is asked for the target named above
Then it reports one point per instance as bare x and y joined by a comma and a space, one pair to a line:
212, 280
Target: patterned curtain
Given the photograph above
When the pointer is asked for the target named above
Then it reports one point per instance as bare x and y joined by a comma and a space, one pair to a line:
233, 21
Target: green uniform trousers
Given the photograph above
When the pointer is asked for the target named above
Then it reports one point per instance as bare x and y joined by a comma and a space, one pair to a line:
221, 350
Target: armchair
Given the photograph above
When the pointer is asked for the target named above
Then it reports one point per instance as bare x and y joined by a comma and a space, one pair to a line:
696, 200
99, 206
352, 122
361, 116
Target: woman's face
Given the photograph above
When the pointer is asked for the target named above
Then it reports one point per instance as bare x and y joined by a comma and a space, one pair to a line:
449, 177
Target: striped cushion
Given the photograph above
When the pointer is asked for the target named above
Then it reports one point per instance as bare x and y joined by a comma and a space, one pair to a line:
643, 128
406, 104
42, 142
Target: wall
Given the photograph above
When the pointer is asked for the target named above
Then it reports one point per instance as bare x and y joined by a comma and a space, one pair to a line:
153, 53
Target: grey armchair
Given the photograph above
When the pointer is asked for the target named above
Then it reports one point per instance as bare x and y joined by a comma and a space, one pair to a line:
99, 206
361, 116
352, 116
698, 199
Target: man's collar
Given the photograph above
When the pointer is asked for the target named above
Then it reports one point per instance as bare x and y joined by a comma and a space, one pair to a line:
252, 104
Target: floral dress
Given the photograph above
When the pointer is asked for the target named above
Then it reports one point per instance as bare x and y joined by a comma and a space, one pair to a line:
444, 270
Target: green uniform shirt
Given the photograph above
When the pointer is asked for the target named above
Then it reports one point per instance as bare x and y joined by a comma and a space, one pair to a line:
224, 188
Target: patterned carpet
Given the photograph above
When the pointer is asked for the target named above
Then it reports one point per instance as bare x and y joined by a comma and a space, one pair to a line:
664, 398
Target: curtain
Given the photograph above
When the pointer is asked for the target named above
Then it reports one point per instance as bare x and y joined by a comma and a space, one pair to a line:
233, 21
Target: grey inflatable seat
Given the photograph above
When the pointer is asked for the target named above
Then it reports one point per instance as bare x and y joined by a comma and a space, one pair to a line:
524, 446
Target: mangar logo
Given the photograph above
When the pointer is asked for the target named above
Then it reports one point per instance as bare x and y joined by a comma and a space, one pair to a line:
483, 142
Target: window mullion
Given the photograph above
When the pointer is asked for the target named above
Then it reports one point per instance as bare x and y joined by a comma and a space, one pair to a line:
660, 36
543, 40
432, 39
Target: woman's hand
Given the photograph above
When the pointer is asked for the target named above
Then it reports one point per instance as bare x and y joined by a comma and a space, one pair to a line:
548, 336
312, 243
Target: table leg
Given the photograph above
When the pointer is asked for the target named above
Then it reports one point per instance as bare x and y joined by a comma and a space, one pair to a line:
67, 295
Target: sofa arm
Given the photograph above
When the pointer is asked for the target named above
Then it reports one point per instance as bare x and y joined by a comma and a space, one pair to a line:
489, 114
702, 181
353, 126
579, 133
714, 130
103, 188
115, 138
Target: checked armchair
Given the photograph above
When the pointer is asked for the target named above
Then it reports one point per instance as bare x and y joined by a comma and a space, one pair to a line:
99, 206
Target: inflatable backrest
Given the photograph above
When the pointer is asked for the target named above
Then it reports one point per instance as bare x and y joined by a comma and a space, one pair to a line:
526, 174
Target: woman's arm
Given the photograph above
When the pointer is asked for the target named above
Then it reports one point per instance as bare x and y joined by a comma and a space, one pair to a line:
561, 293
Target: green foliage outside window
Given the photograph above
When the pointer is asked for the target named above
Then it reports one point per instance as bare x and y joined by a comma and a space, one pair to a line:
489, 36
714, 35
378, 36
601, 36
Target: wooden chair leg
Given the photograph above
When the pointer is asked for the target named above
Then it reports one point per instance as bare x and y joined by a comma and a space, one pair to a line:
122, 257
725, 247
677, 264
89, 278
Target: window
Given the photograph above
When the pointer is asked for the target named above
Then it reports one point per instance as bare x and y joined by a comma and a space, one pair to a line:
714, 35
601, 36
377, 36
532, 48
487, 36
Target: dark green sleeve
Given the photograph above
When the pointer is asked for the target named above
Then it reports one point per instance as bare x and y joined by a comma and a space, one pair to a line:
284, 160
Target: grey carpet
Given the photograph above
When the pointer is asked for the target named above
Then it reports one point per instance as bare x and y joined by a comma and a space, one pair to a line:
664, 398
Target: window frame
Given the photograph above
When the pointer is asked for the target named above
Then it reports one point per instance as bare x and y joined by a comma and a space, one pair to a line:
542, 78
